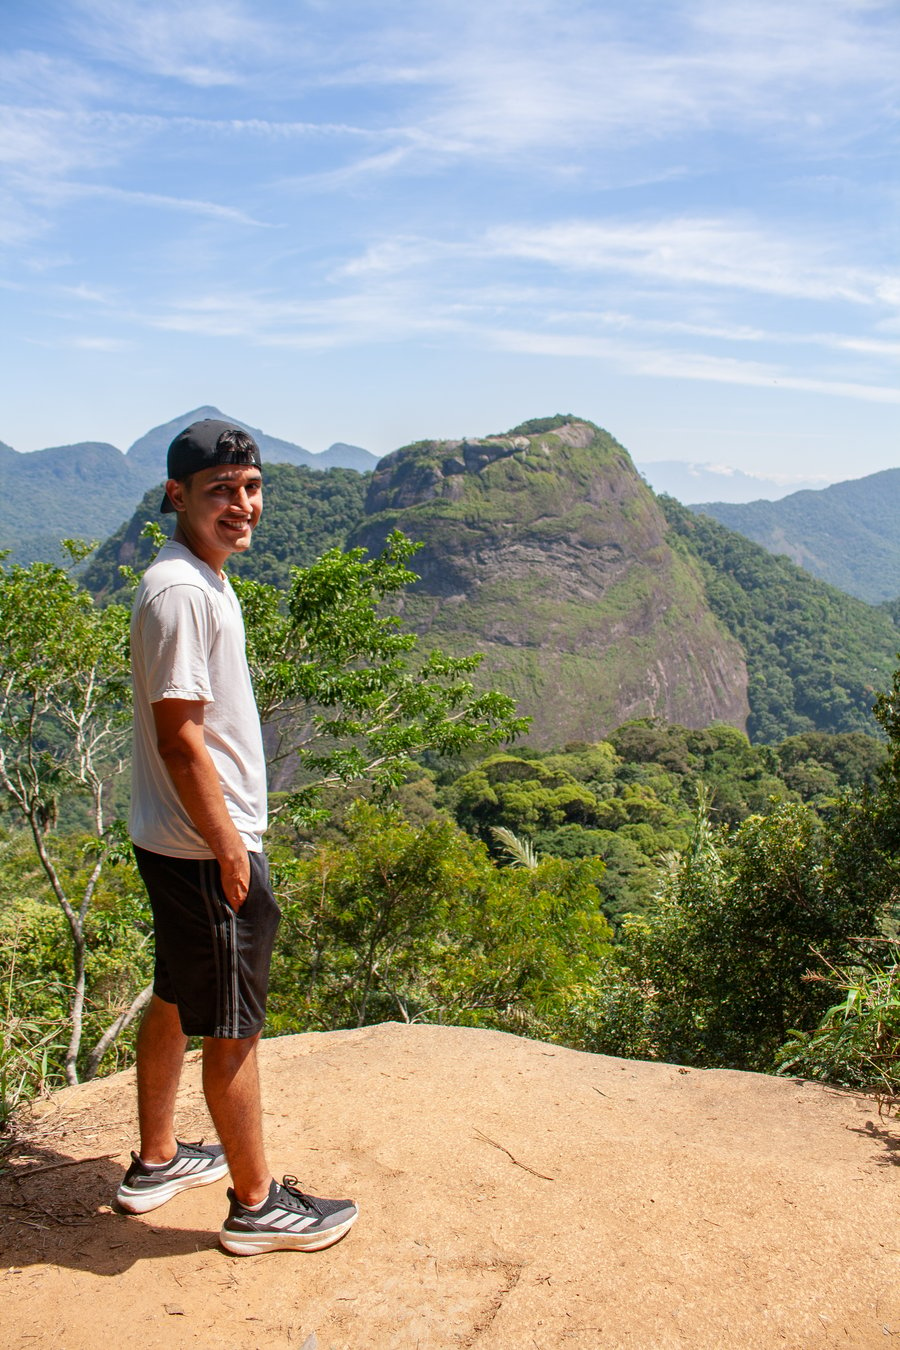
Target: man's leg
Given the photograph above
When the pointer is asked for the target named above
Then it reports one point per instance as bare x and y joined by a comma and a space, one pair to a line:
160, 1054
231, 1087
149, 1182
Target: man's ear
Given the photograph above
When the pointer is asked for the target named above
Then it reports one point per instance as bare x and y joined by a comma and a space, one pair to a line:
175, 493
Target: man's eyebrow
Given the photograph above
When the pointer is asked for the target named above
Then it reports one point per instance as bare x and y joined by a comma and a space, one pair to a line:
228, 475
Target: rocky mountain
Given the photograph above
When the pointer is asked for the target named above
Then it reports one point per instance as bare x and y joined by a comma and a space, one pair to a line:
544, 549
87, 490
847, 534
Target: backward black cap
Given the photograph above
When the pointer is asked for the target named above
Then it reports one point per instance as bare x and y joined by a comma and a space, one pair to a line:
198, 447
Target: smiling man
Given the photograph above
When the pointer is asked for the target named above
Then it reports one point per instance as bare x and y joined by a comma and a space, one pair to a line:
198, 814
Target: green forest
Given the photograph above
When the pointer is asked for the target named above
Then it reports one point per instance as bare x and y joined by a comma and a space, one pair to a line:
815, 657
692, 896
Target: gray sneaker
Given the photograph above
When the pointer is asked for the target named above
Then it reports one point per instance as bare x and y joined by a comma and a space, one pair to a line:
144, 1188
287, 1221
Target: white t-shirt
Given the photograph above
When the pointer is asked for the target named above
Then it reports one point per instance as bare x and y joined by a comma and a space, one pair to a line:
187, 641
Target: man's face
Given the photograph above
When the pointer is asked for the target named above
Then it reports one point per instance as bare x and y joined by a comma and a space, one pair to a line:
218, 510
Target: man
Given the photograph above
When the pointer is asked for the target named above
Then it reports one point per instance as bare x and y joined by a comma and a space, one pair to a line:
198, 814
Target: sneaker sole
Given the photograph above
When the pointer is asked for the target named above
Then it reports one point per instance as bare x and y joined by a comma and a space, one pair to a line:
141, 1202
251, 1244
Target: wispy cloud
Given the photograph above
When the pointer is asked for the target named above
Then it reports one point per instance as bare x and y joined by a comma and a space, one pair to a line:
701, 253
712, 252
390, 310
81, 342
510, 78
98, 344
91, 295
28, 77
189, 205
205, 44
474, 80
681, 365
265, 319
356, 171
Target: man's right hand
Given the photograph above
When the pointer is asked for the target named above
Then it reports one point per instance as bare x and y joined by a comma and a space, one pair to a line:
235, 874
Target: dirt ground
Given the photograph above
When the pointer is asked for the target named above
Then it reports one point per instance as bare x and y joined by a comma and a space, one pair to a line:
512, 1194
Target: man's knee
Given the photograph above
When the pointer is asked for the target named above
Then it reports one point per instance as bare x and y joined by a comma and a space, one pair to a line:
160, 1024
162, 1009
222, 1053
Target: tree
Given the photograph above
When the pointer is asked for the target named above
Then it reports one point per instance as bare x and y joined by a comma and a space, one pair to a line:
420, 923
63, 732
363, 919
520, 795
716, 974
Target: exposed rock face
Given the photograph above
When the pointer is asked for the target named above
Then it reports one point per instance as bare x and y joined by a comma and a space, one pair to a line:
547, 552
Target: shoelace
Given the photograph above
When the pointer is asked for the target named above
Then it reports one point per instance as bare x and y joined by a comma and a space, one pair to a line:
198, 1147
290, 1185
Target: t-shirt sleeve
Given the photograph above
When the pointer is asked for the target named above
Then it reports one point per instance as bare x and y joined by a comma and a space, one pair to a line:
177, 630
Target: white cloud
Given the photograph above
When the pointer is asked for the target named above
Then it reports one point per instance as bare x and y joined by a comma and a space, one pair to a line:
501, 79
348, 175
711, 252
158, 200
28, 77
43, 141
81, 342
693, 256
398, 254
205, 43
680, 365
474, 80
97, 344
92, 295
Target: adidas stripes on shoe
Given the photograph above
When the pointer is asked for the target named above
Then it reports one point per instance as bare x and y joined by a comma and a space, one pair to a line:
147, 1187
287, 1220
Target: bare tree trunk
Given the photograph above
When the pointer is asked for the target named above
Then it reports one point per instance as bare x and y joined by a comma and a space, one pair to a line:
112, 1032
77, 1009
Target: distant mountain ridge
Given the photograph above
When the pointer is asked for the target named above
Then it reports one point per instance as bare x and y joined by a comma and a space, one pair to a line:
87, 490
847, 534
690, 482
148, 454
68, 491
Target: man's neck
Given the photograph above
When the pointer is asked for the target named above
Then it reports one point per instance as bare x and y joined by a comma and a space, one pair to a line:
214, 561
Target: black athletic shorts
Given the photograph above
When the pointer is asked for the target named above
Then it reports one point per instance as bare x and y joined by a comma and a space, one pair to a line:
211, 962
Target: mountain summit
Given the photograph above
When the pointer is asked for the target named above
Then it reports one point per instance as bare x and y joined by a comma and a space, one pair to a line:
148, 454
544, 549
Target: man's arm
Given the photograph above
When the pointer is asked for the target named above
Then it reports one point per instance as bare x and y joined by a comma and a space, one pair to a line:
179, 738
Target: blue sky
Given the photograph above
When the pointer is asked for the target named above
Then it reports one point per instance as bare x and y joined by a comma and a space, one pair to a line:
383, 222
